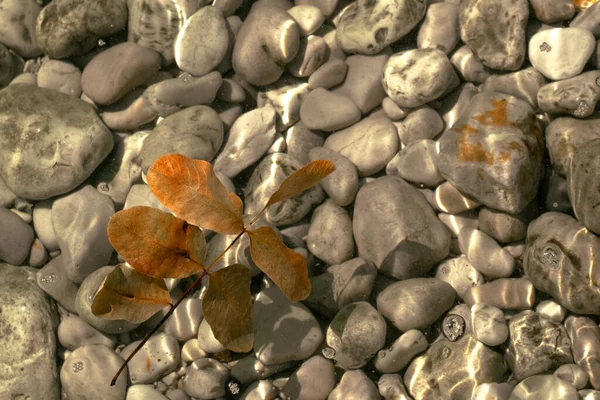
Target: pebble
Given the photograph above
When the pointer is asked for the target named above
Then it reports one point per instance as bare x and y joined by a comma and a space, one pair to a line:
38, 255
439, 29
87, 372
505, 227
415, 77
141, 195
457, 322
250, 369
286, 96
459, 273
489, 324
552, 12
144, 392
366, 28
454, 369
401, 352
415, 303
394, 112
552, 310
176, 394
283, 331
157, 358
582, 181
355, 334
249, 139
493, 391
29, 321
402, 242
195, 132
504, 293
207, 341
447, 198
420, 124
468, 65
544, 387
80, 220
585, 344
589, 394
16, 237
313, 52
342, 184
363, 83
330, 235
308, 17
53, 279
495, 30
314, 379
231, 91
73, 332
561, 53
191, 351
391, 387
589, 19
55, 142
454, 105
523, 84
328, 111
355, 385
202, 42
129, 115
560, 261
205, 378
573, 374
184, 322
493, 153
457, 222
328, 75
18, 26
417, 163
61, 76
299, 141
485, 254
576, 96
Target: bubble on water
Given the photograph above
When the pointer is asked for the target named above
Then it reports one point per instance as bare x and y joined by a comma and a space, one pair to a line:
453, 327
50, 278
101, 43
233, 387
77, 366
382, 354
328, 353
582, 109
446, 352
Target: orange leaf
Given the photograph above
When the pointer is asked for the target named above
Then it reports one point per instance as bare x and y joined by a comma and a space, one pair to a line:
227, 307
127, 294
283, 265
157, 243
301, 180
193, 192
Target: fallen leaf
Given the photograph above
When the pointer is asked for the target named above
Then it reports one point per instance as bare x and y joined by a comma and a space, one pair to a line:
227, 307
193, 192
127, 294
301, 180
157, 243
283, 265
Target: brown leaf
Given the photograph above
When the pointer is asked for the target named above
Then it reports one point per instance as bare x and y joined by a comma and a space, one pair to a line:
301, 180
227, 307
127, 294
193, 192
157, 243
283, 265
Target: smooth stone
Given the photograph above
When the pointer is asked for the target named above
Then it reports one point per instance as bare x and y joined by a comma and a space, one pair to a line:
7, 197
585, 344
415, 77
401, 352
459, 273
231, 91
417, 163
312, 53
140, 194
144, 392
582, 179
207, 341
60, 76
542, 387
16, 238
415, 303
391, 387
396, 229
129, 113
308, 17
355, 385
589, 394
73, 332
205, 378
560, 260
11, 66
38, 255
551, 12
299, 141
286, 95
485, 254
28, 324
18, 27
327, 7
489, 324
330, 235
493, 391
576, 96
588, 18
504, 293
191, 351
260, 390
328, 75
328, 111
523, 84
363, 83
250, 369
342, 184
368, 27
157, 358
505, 227
249, 139
314, 379
439, 29
370, 144
447, 198
421, 124
85, 297
355, 334
561, 53
54, 280
80, 220
468, 65
456, 103
394, 112
283, 331
51, 142
454, 369
71, 27
184, 323
265, 180
457, 222
265, 43
195, 132
493, 152
552, 310
573, 374
87, 372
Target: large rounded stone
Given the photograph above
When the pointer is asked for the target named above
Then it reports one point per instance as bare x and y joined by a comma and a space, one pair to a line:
584, 180
50, 142
18, 26
396, 229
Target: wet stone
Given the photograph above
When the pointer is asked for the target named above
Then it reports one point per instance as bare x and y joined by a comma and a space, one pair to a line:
440, 27
523, 84
355, 385
368, 27
314, 379
299, 142
505, 227
493, 391
73, 332
417, 163
583, 185
573, 374
312, 53
16, 237
50, 142
576, 96
544, 387
489, 324
457, 222
415, 77
448, 199
454, 369
495, 30
560, 260
53, 279
183, 324
391, 387
205, 378
551, 12
469, 66
504, 293
400, 353
328, 111
460, 274
328, 75
552, 310
493, 153
18, 26
250, 369
585, 344
158, 357
286, 96
485, 254
207, 341
191, 351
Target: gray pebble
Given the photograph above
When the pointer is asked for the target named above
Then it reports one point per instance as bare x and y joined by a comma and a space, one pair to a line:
157, 358
400, 353
342, 184
18, 26
328, 111
207, 341
505, 227
553, 11
315, 379
552, 310
585, 344
299, 141
394, 112
439, 29
504, 293
176, 394
576, 96
330, 74
38, 255
141, 195
191, 351
250, 369
73, 332
589, 19
449, 199
330, 235
312, 53
457, 222
53, 279
183, 324
205, 378
391, 387
417, 163
355, 385
61, 76
523, 84
489, 324
460, 274
421, 123
308, 17
286, 96
144, 392
573, 374
583, 184
543, 387
16, 238
468, 65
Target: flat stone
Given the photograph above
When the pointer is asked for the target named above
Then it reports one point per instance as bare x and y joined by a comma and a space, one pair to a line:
576, 96
439, 29
16, 237
330, 234
328, 111
18, 26
50, 142
583, 182
523, 84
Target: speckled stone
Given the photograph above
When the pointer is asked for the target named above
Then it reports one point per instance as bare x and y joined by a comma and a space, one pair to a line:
576, 96
158, 357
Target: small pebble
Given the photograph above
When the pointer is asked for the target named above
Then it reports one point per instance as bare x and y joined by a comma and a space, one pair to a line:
585, 344
523, 84
330, 235
342, 184
417, 163
450, 200
401, 352
439, 29
552, 310
355, 385
504, 293
328, 111
420, 124
185, 320
543, 387
573, 374
314, 379
460, 274
458, 222
207, 341
489, 324
299, 141
309, 18
250, 369
313, 52
38, 255
73, 332
61, 76
468, 65
205, 378
144, 392
53, 279
328, 75
391, 387
485, 254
